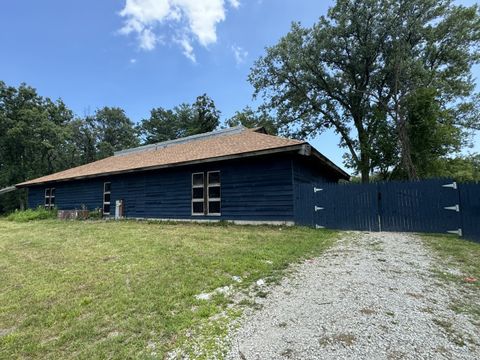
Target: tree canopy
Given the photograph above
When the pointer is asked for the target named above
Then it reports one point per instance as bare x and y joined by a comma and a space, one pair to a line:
183, 120
252, 119
355, 70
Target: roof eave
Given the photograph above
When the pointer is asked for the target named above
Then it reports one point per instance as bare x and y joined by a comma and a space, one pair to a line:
289, 148
342, 174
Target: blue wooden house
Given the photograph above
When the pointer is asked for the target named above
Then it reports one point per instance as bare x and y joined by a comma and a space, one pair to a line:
237, 174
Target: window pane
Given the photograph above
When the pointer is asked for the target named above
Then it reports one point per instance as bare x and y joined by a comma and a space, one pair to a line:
47, 192
52, 201
197, 193
214, 192
197, 179
197, 207
106, 197
214, 207
214, 178
52, 192
106, 209
107, 187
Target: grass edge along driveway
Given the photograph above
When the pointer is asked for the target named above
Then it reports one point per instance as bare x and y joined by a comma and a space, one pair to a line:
459, 264
127, 289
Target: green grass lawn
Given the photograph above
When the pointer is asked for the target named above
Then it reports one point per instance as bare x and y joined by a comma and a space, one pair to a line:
127, 289
463, 255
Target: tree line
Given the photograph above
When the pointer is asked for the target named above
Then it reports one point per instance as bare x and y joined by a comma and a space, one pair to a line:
392, 78
39, 136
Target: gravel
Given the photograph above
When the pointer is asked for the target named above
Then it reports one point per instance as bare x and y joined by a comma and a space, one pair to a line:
372, 296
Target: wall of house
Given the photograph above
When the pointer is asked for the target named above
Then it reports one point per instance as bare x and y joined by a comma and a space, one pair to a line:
252, 189
307, 175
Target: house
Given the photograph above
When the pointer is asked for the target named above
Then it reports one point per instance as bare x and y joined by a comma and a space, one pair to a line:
236, 174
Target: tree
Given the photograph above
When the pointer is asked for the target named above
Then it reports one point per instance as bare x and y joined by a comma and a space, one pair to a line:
251, 119
354, 70
183, 120
206, 116
161, 126
33, 139
113, 131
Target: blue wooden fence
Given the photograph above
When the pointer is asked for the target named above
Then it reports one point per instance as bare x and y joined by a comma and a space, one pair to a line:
432, 206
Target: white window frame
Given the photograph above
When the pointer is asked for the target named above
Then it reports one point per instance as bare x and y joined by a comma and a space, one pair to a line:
48, 195
107, 202
219, 199
199, 200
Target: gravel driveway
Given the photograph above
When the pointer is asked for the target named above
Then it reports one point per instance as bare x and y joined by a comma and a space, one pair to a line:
372, 296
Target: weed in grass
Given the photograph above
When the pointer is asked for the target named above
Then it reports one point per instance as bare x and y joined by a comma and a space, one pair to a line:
447, 326
261, 294
376, 246
471, 308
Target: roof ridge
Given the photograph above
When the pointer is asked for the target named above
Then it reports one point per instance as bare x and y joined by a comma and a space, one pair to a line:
276, 136
196, 137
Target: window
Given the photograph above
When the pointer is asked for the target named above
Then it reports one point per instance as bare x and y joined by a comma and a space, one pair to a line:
206, 193
106, 198
49, 198
213, 192
198, 194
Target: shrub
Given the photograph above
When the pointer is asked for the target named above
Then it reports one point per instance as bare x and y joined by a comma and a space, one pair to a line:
39, 213
95, 214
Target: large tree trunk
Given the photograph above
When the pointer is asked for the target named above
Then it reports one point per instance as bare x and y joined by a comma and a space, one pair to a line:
406, 153
401, 124
364, 165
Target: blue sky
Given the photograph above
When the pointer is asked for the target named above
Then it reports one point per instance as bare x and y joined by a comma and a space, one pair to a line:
142, 54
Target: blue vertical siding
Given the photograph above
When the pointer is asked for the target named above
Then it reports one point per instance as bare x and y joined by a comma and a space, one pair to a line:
70, 195
306, 175
253, 189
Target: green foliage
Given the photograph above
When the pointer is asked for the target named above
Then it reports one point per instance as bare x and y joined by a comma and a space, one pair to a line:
95, 214
355, 70
252, 119
113, 131
183, 120
34, 139
39, 136
465, 168
39, 213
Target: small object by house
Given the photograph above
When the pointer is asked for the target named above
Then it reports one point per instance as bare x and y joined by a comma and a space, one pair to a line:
236, 174
73, 214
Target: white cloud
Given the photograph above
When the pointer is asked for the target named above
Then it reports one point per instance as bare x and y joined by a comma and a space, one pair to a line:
133, 61
195, 19
187, 47
147, 39
234, 3
239, 54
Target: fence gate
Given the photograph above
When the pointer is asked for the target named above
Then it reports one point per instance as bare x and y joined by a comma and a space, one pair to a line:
346, 207
420, 206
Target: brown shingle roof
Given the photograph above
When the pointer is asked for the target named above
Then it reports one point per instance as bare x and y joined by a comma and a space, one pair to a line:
229, 144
